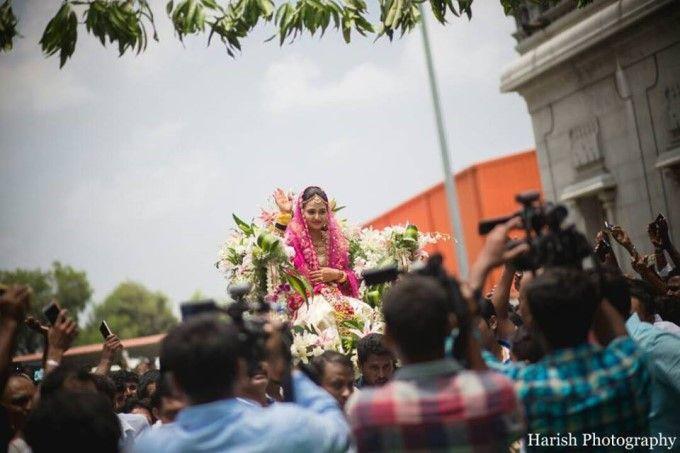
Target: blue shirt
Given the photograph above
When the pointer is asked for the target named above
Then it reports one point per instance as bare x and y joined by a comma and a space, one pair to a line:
663, 351
584, 389
313, 423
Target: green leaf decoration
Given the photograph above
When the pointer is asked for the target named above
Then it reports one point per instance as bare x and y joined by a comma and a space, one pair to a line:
8, 27
243, 226
298, 285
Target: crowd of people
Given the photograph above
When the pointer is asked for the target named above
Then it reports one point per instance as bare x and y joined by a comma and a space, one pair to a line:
584, 359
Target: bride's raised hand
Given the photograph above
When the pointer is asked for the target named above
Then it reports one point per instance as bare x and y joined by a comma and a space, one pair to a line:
282, 201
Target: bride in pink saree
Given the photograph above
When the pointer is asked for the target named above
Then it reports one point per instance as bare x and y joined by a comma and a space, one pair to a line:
321, 249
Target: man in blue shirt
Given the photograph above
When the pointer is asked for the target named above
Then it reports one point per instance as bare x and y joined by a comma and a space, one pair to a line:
660, 346
201, 356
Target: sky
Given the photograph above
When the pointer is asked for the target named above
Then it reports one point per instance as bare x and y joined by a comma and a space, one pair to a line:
131, 167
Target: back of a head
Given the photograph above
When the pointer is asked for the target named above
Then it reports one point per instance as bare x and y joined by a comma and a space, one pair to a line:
613, 287
202, 356
66, 377
668, 308
416, 313
562, 302
73, 421
371, 344
644, 293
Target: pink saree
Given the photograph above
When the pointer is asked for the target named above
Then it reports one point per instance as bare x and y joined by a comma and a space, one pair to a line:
337, 251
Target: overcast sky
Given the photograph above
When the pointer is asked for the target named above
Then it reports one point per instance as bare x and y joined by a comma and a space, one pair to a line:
130, 168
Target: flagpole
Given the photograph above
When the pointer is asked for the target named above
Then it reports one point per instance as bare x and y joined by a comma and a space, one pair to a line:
451, 196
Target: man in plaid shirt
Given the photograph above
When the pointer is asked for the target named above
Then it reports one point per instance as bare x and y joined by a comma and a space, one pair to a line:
578, 387
432, 404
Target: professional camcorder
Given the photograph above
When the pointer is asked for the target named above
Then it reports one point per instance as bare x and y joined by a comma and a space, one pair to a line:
247, 316
433, 268
550, 244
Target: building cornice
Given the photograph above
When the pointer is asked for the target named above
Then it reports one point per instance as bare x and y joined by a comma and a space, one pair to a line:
576, 39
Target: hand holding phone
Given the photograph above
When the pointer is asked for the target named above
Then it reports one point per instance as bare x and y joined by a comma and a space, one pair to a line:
51, 312
105, 330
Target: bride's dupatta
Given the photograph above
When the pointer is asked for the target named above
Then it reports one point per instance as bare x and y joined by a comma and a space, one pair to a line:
305, 260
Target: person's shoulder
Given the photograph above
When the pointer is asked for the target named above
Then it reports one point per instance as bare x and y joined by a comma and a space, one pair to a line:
495, 385
369, 395
164, 438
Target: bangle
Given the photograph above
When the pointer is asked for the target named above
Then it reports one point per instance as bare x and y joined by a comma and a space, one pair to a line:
283, 218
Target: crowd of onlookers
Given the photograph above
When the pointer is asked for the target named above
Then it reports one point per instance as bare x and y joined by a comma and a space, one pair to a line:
558, 351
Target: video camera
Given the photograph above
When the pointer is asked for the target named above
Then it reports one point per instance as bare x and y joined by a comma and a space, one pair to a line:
248, 318
433, 268
549, 243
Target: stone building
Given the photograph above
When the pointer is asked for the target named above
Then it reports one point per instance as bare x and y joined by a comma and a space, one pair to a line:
602, 85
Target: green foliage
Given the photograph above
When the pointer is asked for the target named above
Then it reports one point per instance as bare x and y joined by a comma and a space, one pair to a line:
69, 286
8, 26
120, 21
131, 310
125, 22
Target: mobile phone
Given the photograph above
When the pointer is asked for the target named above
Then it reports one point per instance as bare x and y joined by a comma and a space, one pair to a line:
608, 226
105, 330
51, 312
193, 308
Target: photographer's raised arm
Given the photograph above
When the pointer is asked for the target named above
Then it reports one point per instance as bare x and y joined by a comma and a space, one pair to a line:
495, 252
501, 301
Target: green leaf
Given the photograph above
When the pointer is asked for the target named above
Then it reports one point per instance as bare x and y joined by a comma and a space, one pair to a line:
243, 226
298, 285
8, 27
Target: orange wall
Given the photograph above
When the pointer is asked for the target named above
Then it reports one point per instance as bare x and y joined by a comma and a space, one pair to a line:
485, 190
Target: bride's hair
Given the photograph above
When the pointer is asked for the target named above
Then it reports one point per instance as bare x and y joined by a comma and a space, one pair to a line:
311, 191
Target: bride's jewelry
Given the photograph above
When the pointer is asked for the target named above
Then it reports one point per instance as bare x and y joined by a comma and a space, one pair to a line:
320, 248
343, 279
316, 202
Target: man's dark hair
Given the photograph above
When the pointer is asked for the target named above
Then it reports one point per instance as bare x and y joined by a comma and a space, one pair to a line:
319, 363
163, 390
644, 292
151, 376
105, 386
562, 302
69, 421
668, 308
202, 356
371, 344
613, 287
416, 313
54, 380
122, 377
525, 347
134, 403
486, 309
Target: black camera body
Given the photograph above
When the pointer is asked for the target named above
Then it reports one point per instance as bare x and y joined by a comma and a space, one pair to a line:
550, 244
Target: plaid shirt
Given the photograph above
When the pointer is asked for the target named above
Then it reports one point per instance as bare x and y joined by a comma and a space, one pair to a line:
586, 389
437, 406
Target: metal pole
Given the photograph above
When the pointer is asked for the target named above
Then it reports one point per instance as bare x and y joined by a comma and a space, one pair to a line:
451, 197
